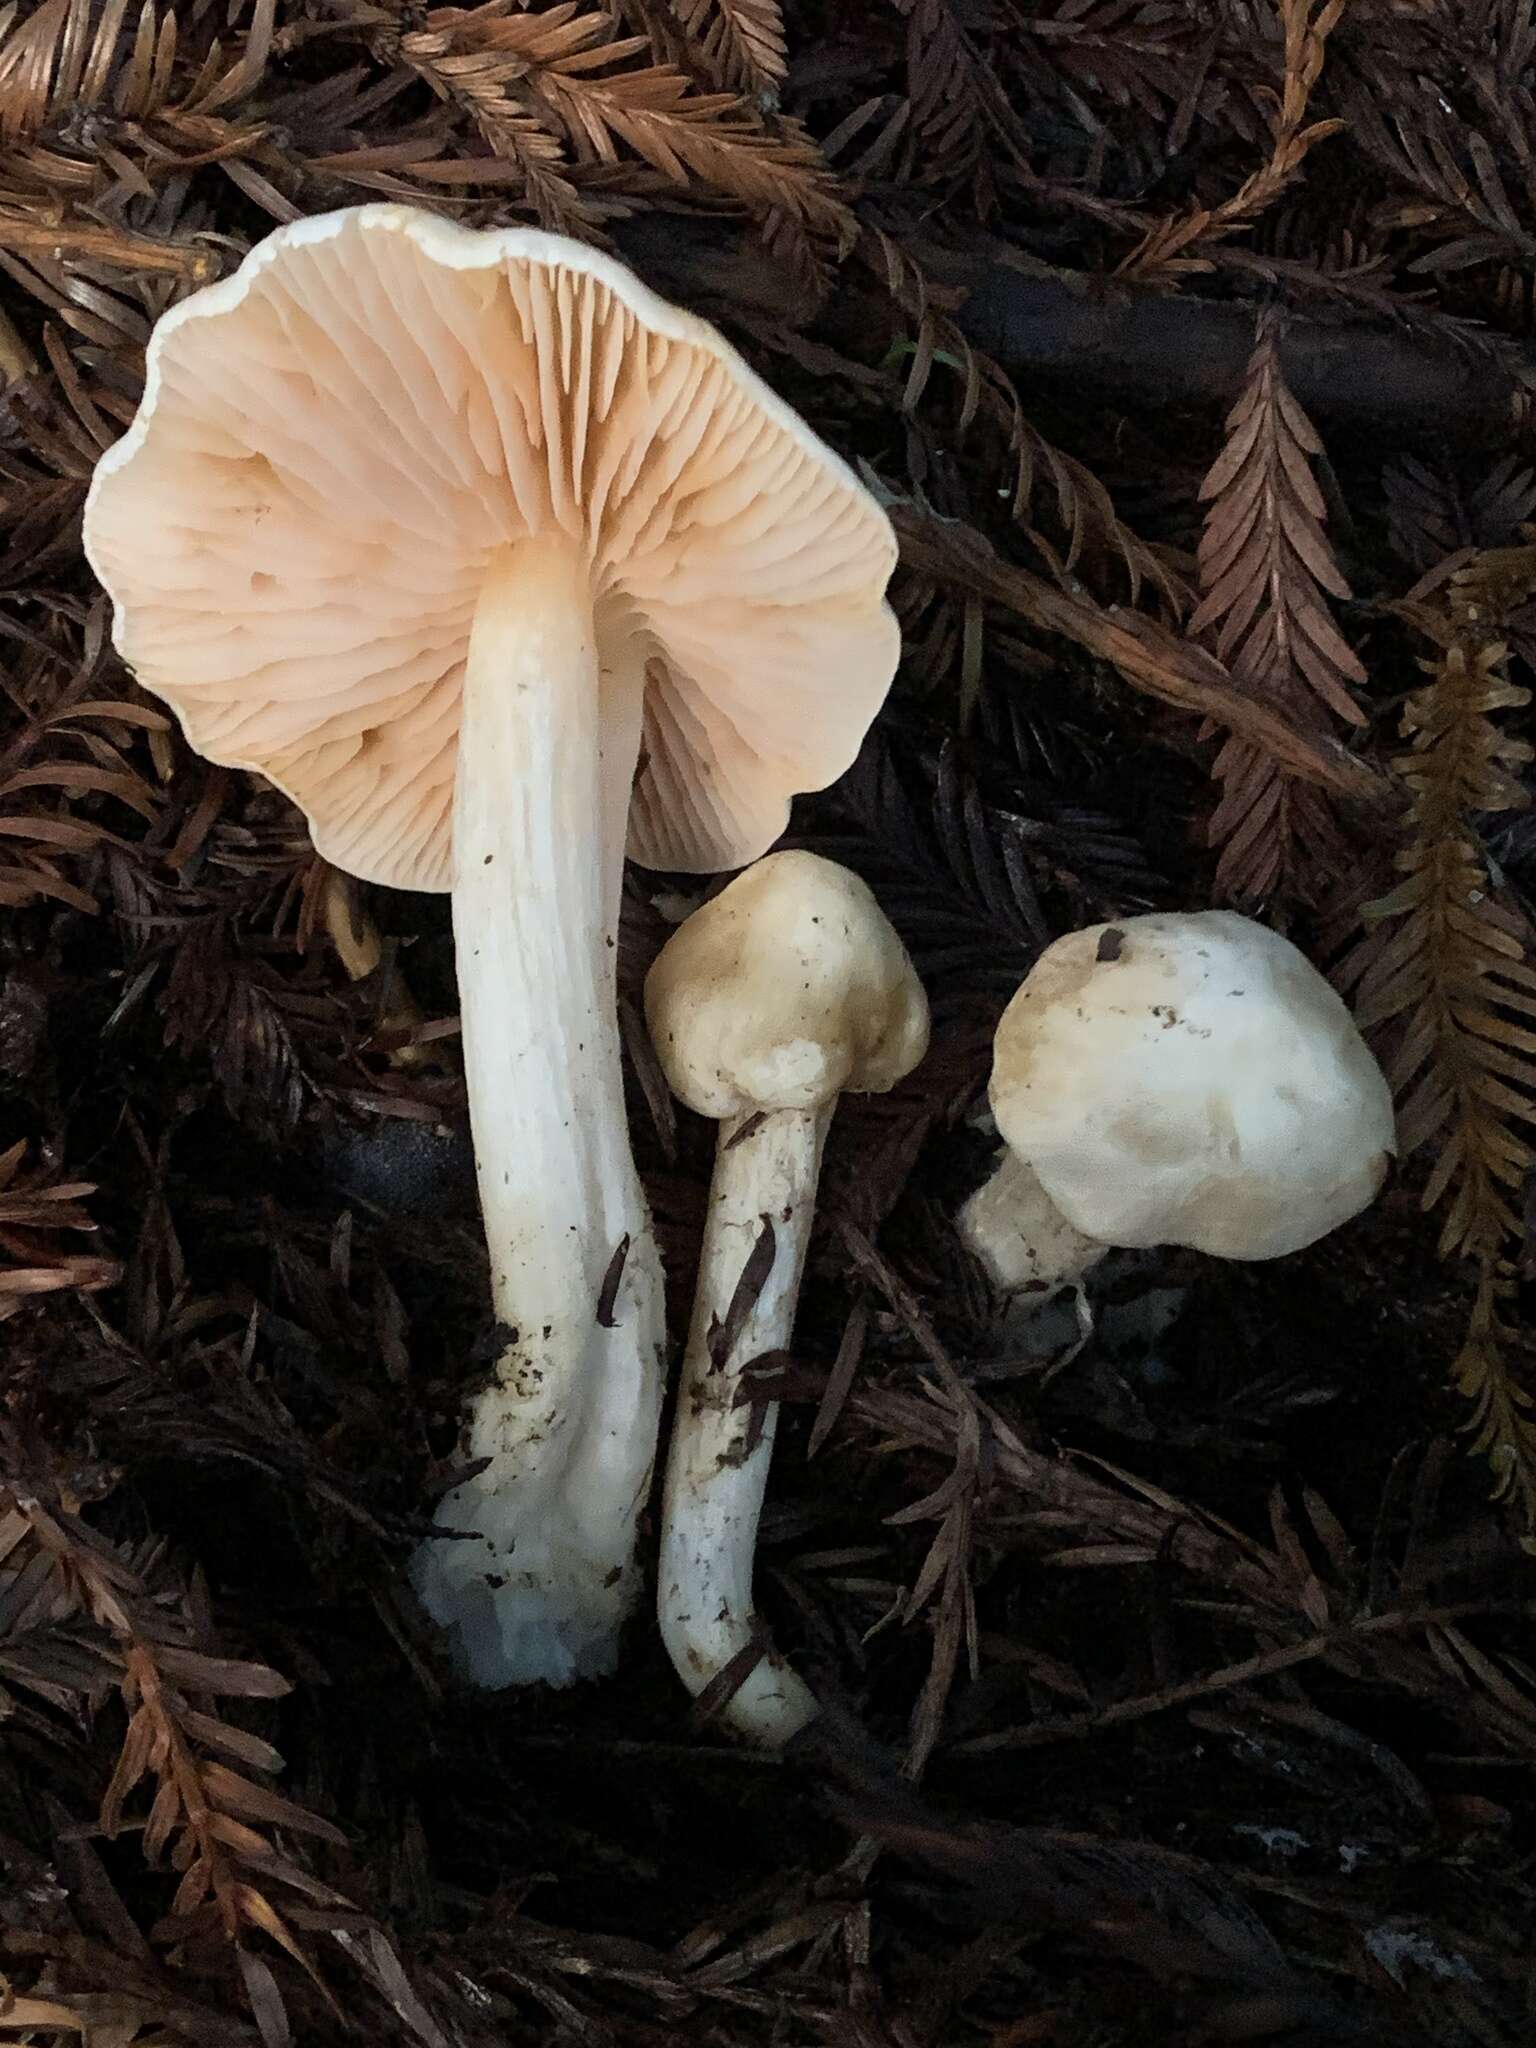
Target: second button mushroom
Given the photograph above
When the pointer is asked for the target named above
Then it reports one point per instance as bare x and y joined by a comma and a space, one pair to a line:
1182, 1079
494, 562
777, 996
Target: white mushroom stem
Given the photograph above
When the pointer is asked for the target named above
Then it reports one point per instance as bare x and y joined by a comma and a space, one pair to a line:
546, 760
1018, 1234
766, 1170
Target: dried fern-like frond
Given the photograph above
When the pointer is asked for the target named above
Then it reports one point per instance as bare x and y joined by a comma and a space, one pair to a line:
1450, 966
1083, 508
1079, 60
35, 1207
483, 61
105, 109
235, 985
1456, 963
563, 75
962, 121
1432, 514
734, 46
63, 1588
148, 85
1502, 1424
70, 749
741, 42
251, 1019
1466, 189
1149, 655
1267, 573
1172, 248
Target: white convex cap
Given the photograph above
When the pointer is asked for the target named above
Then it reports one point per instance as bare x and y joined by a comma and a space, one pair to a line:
1191, 1080
783, 991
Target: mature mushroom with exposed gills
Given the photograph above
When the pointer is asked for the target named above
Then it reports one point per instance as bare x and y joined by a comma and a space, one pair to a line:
777, 996
1175, 1079
495, 562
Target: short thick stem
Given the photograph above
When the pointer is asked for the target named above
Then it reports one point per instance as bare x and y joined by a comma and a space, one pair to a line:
766, 1169
569, 1422
1021, 1238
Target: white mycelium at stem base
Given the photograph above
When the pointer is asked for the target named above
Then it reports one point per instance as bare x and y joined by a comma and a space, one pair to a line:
1186, 1079
547, 754
499, 567
786, 990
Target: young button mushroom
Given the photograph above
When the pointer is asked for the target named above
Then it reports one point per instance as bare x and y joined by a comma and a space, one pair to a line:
492, 560
1175, 1079
775, 997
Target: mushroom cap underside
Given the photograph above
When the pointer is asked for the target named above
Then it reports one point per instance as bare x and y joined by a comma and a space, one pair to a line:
335, 442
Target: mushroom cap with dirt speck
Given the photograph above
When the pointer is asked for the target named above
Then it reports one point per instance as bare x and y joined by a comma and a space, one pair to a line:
335, 442
1191, 1080
784, 991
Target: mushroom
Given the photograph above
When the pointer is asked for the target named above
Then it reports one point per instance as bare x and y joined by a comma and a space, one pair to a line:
493, 562
1175, 1079
775, 997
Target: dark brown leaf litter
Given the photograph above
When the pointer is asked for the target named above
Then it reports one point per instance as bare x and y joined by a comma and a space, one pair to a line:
1194, 1621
